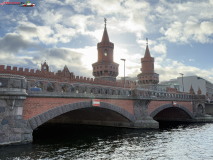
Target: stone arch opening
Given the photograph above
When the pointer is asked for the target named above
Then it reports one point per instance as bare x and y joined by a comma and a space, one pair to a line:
72, 89
168, 112
64, 88
51, 87
38, 84
200, 109
84, 113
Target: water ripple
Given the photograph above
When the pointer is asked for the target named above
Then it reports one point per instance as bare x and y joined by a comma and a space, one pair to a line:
183, 142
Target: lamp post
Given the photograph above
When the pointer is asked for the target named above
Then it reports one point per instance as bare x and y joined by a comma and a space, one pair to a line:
182, 81
124, 71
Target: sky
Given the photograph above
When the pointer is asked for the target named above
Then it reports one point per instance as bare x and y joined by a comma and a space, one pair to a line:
66, 32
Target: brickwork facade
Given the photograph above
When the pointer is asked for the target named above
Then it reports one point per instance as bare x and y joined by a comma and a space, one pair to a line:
34, 106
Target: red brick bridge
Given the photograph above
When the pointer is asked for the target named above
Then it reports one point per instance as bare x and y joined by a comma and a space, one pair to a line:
23, 110
61, 102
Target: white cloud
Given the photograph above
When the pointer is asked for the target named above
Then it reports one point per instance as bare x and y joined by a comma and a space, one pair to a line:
161, 48
191, 60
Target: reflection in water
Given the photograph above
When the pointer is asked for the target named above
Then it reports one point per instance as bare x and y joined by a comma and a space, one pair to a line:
186, 141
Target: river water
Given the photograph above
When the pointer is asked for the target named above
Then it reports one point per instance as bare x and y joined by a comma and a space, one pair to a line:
179, 142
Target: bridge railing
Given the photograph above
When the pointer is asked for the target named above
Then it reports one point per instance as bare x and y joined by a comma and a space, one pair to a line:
63, 88
166, 95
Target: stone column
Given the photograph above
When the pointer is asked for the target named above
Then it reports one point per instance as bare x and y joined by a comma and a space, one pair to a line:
13, 129
143, 120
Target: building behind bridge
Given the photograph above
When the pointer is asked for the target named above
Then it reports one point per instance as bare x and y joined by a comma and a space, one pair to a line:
196, 82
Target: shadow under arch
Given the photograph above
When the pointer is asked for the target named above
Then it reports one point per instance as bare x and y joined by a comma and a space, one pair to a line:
169, 105
42, 118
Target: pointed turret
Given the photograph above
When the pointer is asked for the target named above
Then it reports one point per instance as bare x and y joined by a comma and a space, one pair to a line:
199, 91
148, 75
191, 90
105, 37
147, 53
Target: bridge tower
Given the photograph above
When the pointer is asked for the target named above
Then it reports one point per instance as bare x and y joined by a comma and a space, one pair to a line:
105, 68
148, 75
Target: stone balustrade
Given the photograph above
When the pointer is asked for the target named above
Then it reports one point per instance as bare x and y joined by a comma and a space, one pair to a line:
63, 88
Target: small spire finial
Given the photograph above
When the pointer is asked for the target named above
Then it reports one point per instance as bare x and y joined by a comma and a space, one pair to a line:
105, 20
146, 41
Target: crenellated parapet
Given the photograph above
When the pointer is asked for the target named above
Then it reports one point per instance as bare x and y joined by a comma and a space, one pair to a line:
62, 76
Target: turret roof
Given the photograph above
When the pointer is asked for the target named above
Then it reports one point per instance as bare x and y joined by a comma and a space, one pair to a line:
105, 37
147, 53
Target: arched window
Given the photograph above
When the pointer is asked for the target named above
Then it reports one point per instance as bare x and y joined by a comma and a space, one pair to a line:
105, 52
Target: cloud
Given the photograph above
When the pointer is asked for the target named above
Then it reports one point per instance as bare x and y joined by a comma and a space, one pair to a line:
11, 43
191, 60
183, 27
161, 48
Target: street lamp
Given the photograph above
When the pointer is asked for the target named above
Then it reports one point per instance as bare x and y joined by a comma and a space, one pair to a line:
124, 71
182, 80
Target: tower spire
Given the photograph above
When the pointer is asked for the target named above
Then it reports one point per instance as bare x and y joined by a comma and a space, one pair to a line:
105, 37
147, 53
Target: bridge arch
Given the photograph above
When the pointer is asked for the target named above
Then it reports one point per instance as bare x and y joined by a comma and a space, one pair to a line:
169, 105
40, 119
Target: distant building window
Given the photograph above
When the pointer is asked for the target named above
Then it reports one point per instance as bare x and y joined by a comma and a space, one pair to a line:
110, 66
97, 67
146, 76
105, 66
100, 66
65, 73
150, 76
65, 80
94, 67
113, 67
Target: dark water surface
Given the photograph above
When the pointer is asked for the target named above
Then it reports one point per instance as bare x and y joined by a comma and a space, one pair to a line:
181, 142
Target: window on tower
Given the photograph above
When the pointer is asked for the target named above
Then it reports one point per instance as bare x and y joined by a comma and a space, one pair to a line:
105, 52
